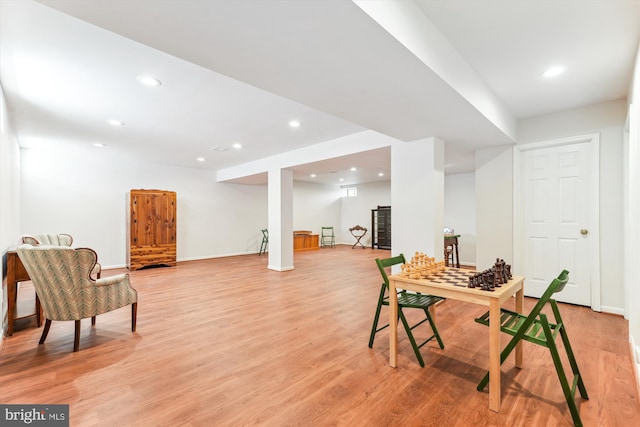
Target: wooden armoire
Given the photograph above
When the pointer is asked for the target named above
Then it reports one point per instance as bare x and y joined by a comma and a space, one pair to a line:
151, 228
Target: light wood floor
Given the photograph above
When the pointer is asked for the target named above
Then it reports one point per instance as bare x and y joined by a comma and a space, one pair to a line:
227, 342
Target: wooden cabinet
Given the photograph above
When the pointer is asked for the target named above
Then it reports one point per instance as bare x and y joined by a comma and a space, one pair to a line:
305, 241
381, 227
151, 229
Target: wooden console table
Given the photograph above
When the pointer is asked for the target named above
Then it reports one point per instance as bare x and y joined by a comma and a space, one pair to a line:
16, 273
305, 241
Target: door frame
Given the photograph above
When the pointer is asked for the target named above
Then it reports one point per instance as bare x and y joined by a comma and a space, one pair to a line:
593, 139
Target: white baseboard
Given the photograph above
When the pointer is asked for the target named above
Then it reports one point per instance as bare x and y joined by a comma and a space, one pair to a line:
197, 258
612, 310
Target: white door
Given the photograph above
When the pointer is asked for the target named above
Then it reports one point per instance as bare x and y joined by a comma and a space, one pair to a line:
557, 216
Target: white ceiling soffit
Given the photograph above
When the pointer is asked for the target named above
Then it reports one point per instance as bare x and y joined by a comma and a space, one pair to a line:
345, 170
327, 54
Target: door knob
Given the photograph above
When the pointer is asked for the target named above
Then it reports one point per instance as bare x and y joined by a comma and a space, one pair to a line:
584, 231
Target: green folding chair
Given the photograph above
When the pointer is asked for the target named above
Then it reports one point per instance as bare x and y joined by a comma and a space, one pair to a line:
265, 241
535, 328
327, 237
405, 300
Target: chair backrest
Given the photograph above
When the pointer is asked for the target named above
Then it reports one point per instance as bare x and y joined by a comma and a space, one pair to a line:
60, 276
556, 285
265, 234
327, 231
388, 262
48, 239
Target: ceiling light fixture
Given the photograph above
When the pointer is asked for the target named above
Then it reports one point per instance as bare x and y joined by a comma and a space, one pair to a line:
294, 124
99, 144
380, 174
341, 179
114, 122
313, 175
353, 169
149, 81
200, 159
237, 146
553, 71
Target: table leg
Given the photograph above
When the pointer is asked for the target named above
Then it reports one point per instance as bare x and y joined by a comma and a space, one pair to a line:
393, 324
494, 355
519, 309
11, 299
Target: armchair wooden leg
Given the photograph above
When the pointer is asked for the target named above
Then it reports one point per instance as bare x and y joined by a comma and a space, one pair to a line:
38, 312
76, 338
45, 331
134, 315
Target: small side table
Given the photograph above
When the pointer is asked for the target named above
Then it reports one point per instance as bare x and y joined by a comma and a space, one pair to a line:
358, 232
451, 242
17, 273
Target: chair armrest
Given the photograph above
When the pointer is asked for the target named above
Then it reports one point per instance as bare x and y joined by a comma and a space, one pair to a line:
96, 271
113, 280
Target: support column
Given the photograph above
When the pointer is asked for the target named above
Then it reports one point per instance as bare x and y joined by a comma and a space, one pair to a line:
417, 197
280, 199
494, 188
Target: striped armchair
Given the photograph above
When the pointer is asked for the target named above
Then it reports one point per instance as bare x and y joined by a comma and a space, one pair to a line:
63, 282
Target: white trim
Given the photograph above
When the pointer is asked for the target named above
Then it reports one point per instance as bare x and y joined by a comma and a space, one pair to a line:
634, 351
280, 268
593, 139
627, 218
612, 310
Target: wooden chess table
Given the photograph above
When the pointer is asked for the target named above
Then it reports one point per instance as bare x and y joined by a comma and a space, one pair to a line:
452, 283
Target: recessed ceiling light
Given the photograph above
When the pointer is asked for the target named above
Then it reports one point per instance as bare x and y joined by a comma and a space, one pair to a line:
341, 179
313, 175
553, 71
237, 146
200, 159
294, 124
114, 122
353, 169
380, 174
149, 81
99, 144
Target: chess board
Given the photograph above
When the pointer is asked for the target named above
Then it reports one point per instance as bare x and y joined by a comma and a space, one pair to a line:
452, 276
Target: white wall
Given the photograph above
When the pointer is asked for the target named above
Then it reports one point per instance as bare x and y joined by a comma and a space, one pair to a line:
460, 213
315, 206
9, 197
83, 192
357, 210
608, 120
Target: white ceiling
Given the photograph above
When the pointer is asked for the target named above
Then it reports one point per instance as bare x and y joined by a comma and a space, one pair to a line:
239, 71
